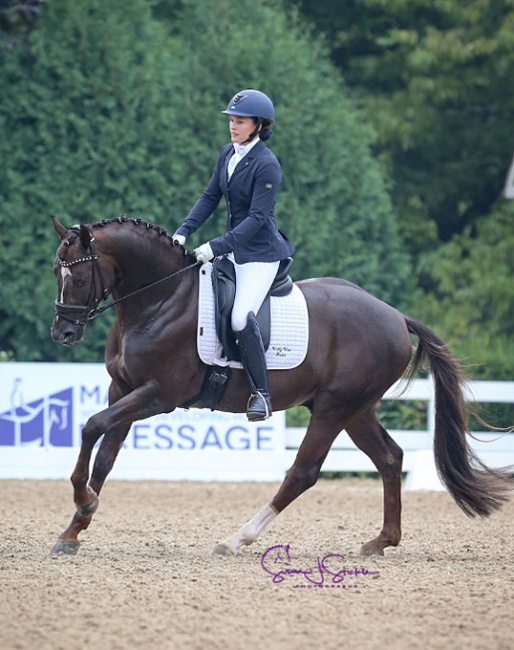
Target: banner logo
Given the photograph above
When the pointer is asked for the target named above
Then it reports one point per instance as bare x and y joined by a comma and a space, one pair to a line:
47, 421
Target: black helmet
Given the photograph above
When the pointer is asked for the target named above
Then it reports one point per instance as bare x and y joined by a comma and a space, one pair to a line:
251, 103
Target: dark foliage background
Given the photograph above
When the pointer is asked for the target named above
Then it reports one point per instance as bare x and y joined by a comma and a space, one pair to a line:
394, 130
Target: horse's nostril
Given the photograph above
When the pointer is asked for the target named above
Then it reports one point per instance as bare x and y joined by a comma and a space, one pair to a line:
67, 338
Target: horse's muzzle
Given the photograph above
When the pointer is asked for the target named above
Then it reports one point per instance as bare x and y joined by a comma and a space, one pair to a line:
66, 333
68, 324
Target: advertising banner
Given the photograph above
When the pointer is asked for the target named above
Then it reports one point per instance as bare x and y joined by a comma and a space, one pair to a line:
44, 406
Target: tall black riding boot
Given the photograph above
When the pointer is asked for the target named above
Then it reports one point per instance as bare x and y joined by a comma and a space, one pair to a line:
254, 361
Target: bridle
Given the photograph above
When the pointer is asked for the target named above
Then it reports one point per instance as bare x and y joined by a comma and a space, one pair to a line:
81, 314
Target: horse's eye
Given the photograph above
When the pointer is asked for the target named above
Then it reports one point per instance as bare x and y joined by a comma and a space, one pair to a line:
79, 282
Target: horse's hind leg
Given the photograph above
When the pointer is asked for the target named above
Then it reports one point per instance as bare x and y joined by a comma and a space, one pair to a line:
371, 437
321, 433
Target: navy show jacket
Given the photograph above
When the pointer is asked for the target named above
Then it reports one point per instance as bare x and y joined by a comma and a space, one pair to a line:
251, 231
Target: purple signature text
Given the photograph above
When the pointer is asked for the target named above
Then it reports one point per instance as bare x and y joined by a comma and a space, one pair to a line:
329, 570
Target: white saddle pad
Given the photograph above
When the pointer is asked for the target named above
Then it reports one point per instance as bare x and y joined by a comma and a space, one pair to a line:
289, 335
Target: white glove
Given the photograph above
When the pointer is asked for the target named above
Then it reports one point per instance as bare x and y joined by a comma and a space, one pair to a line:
178, 239
204, 253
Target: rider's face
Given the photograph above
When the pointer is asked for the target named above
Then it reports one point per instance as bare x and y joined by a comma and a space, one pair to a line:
240, 128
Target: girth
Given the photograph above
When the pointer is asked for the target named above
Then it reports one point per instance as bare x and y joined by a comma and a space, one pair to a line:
224, 288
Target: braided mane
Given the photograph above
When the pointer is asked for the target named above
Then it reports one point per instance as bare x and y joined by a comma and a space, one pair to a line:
122, 219
162, 232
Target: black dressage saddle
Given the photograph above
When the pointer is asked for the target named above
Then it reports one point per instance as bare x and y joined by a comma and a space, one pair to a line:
224, 287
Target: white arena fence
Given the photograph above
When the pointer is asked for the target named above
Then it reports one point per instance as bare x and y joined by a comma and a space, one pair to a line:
493, 448
43, 407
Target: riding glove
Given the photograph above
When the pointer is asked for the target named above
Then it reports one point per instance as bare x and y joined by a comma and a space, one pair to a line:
178, 239
204, 253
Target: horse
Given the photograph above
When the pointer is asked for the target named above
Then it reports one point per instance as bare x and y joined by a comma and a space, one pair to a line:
358, 347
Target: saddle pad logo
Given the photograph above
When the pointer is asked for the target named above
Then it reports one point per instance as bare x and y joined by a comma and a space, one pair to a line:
47, 421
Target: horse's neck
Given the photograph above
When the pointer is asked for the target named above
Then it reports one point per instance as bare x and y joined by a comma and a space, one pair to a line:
141, 257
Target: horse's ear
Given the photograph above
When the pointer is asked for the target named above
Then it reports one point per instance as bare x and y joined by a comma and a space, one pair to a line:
85, 236
59, 228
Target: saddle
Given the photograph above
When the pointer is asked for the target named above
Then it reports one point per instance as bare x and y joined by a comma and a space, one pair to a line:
224, 288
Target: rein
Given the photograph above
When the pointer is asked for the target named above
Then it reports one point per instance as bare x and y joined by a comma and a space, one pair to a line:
80, 314
97, 311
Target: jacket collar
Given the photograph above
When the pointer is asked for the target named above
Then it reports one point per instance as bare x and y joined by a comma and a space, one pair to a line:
243, 149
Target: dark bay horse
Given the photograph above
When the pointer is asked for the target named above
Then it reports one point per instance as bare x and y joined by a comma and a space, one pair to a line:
358, 347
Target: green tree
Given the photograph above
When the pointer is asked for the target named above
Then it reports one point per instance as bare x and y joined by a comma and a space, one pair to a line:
472, 304
333, 204
16, 19
112, 109
434, 80
90, 124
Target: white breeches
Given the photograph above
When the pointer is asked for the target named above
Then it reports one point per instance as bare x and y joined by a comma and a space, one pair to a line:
253, 281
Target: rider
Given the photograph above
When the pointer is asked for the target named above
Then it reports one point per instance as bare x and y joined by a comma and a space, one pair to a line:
248, 175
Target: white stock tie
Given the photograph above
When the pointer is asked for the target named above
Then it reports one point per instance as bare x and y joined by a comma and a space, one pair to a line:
236, 157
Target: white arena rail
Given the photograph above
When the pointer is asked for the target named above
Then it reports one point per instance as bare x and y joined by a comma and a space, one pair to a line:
43, 407
493, 448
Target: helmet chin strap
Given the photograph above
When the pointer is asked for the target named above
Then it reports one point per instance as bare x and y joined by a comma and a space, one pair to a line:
252, 135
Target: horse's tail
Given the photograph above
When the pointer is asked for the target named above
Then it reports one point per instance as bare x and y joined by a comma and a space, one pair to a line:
476, 488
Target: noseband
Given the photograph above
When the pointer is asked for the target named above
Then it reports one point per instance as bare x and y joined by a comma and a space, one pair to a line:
80, 314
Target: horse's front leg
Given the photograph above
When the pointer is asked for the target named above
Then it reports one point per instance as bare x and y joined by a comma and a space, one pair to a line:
67, 541
86, 499
115, 423
86, 496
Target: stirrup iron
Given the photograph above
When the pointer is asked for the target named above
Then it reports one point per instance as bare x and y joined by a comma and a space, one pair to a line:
259, 406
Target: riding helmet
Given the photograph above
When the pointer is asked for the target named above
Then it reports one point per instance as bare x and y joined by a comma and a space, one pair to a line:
251, 103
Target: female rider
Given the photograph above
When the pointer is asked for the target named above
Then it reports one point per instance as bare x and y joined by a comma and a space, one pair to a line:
248, 175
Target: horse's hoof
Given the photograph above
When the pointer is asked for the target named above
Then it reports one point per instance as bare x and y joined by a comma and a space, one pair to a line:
65, 547
89, 509
368, 550
223, 549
